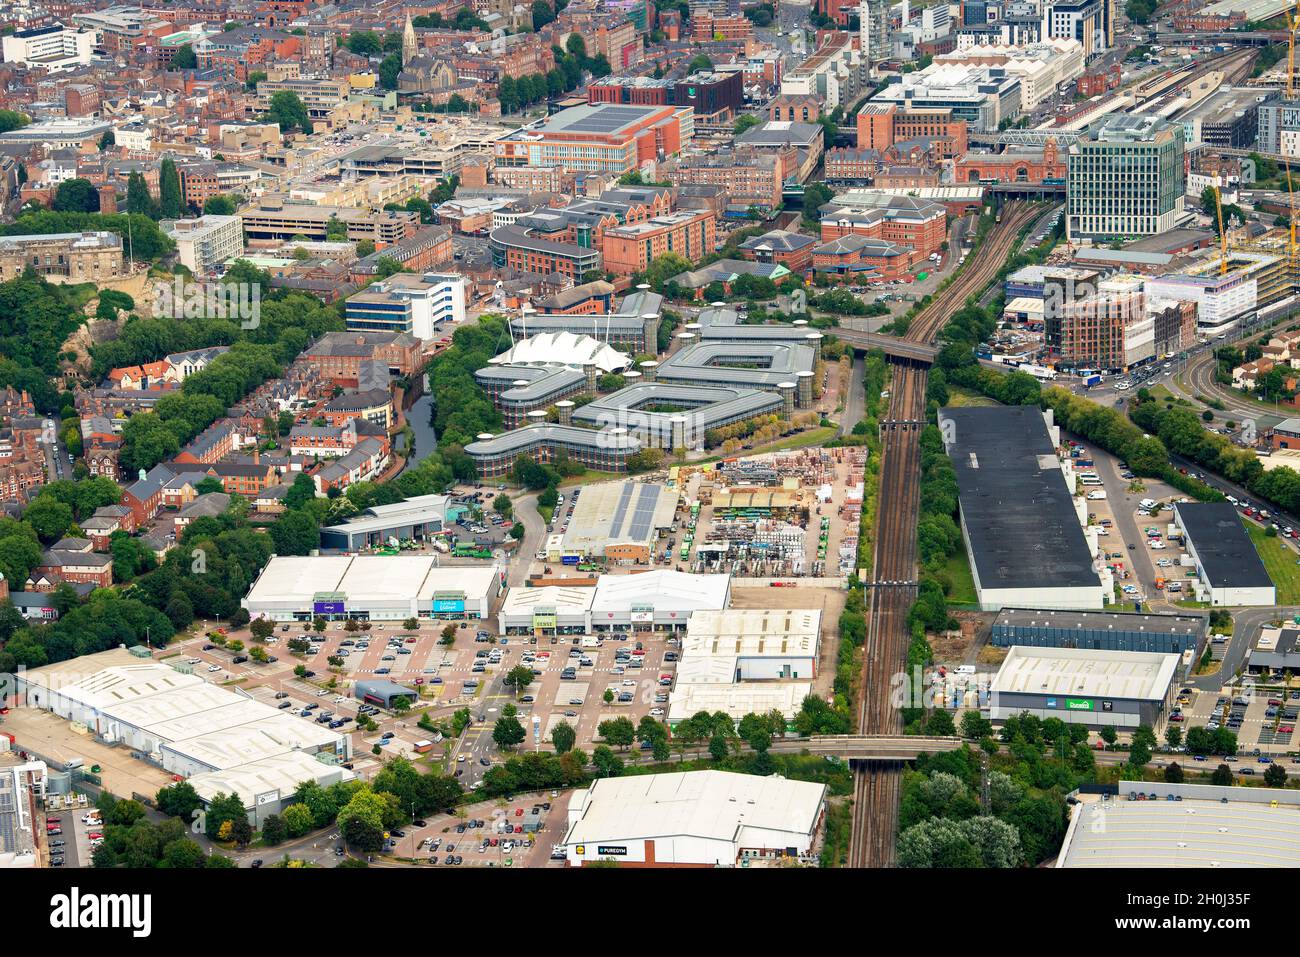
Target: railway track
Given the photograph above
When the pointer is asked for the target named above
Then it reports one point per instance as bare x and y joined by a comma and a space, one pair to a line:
884, 655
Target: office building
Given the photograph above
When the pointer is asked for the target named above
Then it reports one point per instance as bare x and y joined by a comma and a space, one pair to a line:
599, 138
1126, 178
203, 245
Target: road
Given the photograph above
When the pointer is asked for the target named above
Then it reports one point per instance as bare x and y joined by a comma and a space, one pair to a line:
1246, 625
855, 403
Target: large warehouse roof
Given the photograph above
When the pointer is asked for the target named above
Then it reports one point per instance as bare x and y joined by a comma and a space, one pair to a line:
119, 684
701, 693
702, 804
293, 580
1223, 549
662, 588
754, 632
1256, 827
1016, 509
1135, 675
611, 513
1102, 621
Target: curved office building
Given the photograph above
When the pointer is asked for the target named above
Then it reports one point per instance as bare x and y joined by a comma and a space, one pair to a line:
769, 366
668, 416
605, 451
518, 390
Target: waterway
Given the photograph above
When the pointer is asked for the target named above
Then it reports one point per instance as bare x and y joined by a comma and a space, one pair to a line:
417, 417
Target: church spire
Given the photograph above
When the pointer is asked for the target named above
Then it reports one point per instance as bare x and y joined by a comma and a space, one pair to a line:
409, 43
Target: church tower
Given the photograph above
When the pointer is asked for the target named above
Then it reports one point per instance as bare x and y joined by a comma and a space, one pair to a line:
409, 43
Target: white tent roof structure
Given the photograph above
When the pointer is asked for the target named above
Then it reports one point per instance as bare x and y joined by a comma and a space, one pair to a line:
563, 349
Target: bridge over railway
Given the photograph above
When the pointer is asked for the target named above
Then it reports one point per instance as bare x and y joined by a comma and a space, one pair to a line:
892, 346
870, 747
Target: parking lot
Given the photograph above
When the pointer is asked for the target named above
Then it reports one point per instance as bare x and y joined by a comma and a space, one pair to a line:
1258, 719
520, 833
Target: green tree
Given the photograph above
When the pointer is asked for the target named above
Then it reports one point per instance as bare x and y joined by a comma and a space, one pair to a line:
287, 109
171, 204
185, 58
507, 733
1222, 776
138, 199
563, 736
1173, 773
1275, 775
520, 676
219, 206
76, 196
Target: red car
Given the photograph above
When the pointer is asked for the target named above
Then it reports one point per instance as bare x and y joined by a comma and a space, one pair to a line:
1287, 729
519, 812
1175, 717
95, 836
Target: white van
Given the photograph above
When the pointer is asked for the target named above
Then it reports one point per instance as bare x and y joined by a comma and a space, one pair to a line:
1089, 479
1147, 503
965, 669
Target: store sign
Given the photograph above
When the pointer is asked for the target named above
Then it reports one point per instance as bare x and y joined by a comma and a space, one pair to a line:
1078, 704
612, 850
542, 619
1051, 702
449, 601
642, 613
328, 607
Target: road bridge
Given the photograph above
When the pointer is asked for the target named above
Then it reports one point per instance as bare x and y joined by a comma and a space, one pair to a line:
870, 747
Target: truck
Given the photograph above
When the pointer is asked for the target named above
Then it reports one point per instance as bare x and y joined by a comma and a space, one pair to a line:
92, 818
1092, 380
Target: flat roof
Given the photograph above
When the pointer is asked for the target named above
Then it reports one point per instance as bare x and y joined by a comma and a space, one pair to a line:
522, 439
698, 363
281, 773
662, 588
599, 118
1103, 621
1223, 549
705, 406
754, 633
610, 513
711, 805
1198, 831
1133, 675
563, 599
294, 580
737, 699
1016, 508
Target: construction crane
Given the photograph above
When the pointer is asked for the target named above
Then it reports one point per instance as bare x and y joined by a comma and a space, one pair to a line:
1293, 24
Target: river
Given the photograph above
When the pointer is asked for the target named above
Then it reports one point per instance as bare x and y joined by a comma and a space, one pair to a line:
417, 417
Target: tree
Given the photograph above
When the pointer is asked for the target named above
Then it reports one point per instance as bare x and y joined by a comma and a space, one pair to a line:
520, 676
608, 696
138, 199
1222, 776
508, 732
940, 724
975, 727
107, 141
411, 624
76, 196
273, 830
1109, 735
178, 800
619, 732
49, 517
501, 504
12, 120
448, 636
219, 206
608, 764
287, 109
543, 14
1173, 736
717, 747
744, 123
563, 737
171, 203
365, 43
699, 64
185, 58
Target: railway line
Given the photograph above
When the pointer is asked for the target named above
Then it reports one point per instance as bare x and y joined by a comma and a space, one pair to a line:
876, 784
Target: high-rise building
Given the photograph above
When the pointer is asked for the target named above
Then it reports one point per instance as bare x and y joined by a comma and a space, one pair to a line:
1127, 179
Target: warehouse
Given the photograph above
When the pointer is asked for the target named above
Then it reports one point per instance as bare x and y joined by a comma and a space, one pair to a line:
371, 588
707, 684
1099, 630
268, 786
619, 521
182, 723
1229, 568
1277, 650
693, 819
766, 644
660, 600
1185, 825
1122, 689
547, 611
1019, 519
416, 519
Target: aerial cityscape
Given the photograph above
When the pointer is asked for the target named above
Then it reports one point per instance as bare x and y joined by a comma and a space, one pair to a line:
633, 434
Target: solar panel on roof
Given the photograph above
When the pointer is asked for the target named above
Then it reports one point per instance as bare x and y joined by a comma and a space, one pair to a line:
625, 496
645, 511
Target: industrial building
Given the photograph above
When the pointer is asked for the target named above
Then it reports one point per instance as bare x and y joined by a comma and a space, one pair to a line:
1122, 689
1277, 650
1099, 630
185, 725
1230, 570
1185, 825
415, 519
762, 644
382, 692
619, 521
659, 600
268, 786
371, 588
1021, 523
693, 819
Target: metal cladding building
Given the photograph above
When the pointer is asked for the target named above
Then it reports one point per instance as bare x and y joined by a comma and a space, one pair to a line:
1230, 570
619, 521
1122, 689
381, 692
1021, 524
659, 600
1185, 825
1098, 630
371, 588
693, 819
414, 519
551, 610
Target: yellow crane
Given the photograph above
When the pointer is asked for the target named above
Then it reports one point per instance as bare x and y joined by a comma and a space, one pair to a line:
1293, 22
